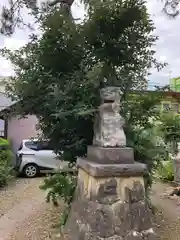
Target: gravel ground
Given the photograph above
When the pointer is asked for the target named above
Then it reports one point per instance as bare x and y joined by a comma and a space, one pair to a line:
24, 214
168, 212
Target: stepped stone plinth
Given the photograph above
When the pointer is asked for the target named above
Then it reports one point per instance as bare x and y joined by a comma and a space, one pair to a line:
110, 202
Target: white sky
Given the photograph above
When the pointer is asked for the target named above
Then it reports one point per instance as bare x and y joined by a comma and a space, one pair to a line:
167, 48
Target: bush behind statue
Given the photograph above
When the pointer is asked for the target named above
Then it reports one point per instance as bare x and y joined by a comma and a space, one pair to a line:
61, 186
6, 169
165, 171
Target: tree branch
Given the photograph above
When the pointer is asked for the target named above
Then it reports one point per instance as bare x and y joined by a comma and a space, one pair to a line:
11, 16
172, 8
64, 2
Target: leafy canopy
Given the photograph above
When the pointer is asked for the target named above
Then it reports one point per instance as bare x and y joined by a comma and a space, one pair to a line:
59, 75
12, 11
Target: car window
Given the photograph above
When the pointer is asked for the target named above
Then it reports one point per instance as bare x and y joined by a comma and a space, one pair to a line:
44, 146
33, 145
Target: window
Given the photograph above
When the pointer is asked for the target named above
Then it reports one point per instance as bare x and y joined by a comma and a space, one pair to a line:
44, 146
33, 145
38, 145
166, 107
175, 107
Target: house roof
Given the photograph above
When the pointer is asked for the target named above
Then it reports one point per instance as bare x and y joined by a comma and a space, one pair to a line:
163, 93
5, 102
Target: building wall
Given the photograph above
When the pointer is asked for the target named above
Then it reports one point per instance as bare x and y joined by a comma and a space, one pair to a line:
175, 84
4, 102
170, 104
17, 128
2, 127
21, 128
166, 104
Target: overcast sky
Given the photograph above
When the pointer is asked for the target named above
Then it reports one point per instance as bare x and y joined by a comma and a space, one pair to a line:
167, 48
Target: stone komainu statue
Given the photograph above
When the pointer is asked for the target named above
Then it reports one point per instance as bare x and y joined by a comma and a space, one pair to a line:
108, 129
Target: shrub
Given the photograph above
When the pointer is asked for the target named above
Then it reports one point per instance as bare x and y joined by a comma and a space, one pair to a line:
6, 155
148, 149
165, 171
60, 186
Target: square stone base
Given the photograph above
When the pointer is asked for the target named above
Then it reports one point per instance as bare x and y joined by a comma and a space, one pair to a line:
109, 207
112, 170
110, 155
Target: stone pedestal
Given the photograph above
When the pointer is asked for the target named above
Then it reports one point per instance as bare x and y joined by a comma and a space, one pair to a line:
109, 155
110, 198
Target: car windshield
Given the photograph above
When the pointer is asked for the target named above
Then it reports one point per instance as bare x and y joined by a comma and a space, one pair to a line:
33, 145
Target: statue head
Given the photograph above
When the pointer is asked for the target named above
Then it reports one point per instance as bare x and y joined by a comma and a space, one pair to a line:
111, 94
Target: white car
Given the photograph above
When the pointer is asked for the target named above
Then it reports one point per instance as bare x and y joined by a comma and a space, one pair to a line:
35, 156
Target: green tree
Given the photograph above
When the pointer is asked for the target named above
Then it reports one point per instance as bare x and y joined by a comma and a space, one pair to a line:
12, 12
6, 168
12, 17
142, 134
59, 75
170, 126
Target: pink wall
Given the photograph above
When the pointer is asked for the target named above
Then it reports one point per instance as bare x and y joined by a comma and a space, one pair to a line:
21, 128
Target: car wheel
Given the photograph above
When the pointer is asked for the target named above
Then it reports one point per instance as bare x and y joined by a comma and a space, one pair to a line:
31, 170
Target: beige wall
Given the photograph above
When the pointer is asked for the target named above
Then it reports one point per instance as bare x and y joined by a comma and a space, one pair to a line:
21, 128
